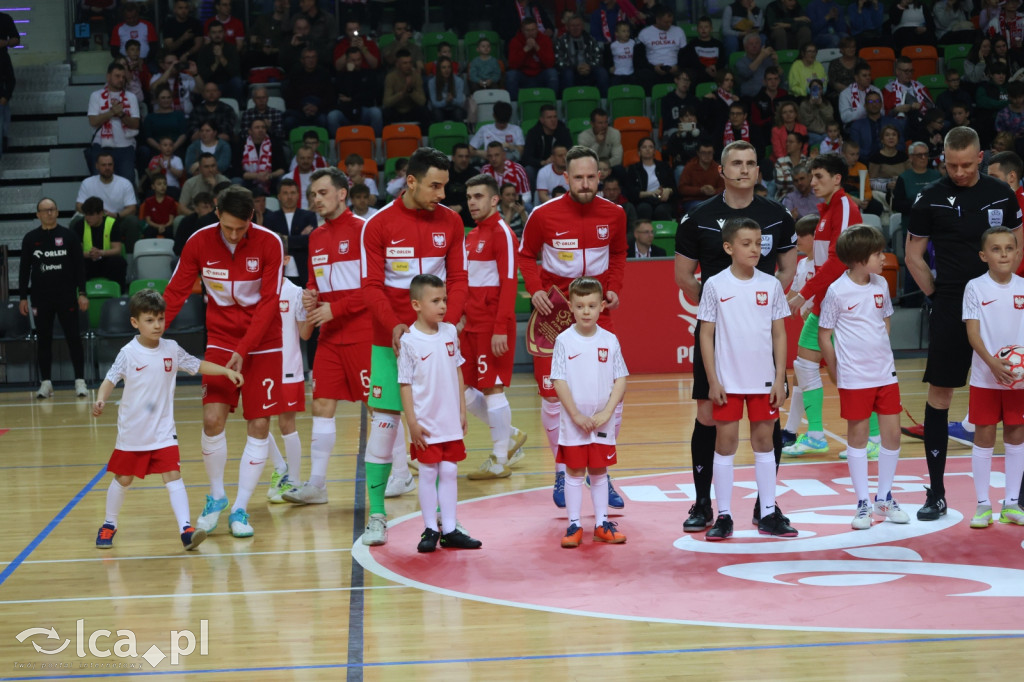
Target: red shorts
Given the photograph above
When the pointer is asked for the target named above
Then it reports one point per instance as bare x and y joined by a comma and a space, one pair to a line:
992, 405
451, 451
542, 366
592, 455
261, 393
481, 369
856, 404
138, 463
294, 395
342, 372
759, 408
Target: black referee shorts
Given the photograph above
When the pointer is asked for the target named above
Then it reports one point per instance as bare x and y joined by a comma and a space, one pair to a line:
701, 388
949, 351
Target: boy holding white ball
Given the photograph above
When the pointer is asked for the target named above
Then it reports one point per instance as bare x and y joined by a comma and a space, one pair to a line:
994, 314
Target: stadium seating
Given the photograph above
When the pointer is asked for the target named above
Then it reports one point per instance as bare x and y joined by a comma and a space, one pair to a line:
579, 101
633, 129
430, 41
880, 59
447, 134
631, 156
626, 100
882, 81
113, 330
153, 259
657, 93
665, 235
703, 89
954, 55
401, 139
925, 59
16, 337
139, 284
99, 290
530, 102
485, 101
577, 126
935, 82
355, 140
295, 138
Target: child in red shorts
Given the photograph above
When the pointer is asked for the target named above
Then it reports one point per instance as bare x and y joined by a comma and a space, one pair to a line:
430, 385
146, 439
589, 376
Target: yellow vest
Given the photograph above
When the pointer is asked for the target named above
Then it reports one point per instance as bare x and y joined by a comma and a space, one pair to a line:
108, 226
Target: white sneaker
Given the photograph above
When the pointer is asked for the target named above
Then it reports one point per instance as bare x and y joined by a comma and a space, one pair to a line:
240, 527
81, 390
515, 446
307, 494
45, 389
490, 469
376, 532
862, 521
890, 509
397, 487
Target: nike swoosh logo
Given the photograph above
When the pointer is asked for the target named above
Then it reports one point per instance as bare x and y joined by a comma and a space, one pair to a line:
723, 300
987, 302
852, 306
319, 250
426, 356
573, 357
376, 486
139, 369
396, 241
295, 403
611, 455
554, 429
267, 407
212, 262
255, 464
559, 234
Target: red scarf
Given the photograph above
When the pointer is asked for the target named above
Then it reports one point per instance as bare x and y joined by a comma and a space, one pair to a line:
297, 177
257, 160
605, 29
729, 136
536, 15
726, 96
107, 129
916, 88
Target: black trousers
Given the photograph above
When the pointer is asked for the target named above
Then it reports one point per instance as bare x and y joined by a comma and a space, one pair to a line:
67, 313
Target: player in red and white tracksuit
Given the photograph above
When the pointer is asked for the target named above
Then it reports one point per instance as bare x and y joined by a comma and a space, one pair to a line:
489, 336
577, 234
240, 264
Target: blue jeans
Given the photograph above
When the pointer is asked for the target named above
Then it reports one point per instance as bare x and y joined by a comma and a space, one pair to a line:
368, 116
597, 77
514, 80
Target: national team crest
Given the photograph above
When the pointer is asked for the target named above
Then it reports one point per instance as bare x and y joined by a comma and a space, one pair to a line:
879, 300
602, 232
343, 247
376, 392
252, 264
284, 305
1018, 302
451, 348
58, 241
479, 247
168, 364
762, 298
602, 355
546, 382
439, 239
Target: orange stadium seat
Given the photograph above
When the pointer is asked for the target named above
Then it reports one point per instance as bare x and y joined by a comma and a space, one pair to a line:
355, 140
633, 129
880, 59
401, 139
924, 57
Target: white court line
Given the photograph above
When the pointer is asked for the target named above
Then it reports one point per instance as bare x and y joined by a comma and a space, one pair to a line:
192, 555
190, 595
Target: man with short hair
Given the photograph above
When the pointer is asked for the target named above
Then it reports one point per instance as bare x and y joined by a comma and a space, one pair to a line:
234, 29
214, 111
322, 27
308, 93
101, 240
602, 138
767, 100
180, 78
867, 131
541, 141
750, 68
661, 42
579, 57
261, 109
1008, 167
912, 181
403, 41
404, 98
207, 178
455, 190
114, 115
508, 134
801, 201
133, 27
701, 178
363, 44
904, 98
643, 242
116, 193
182, 33
953, 94
552, 175
531, 60
705, 56
218, 62
295, 223
357, 96
503, 170
853, 100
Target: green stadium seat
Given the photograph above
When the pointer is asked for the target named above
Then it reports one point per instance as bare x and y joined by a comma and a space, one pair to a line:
447, 134
577, 126
530, 102
954, 55
431, 40
626, 100
579, 101
665, 235
657, 93
703, 89
140, 284
295, 138
935, 82
470, 40
98, 290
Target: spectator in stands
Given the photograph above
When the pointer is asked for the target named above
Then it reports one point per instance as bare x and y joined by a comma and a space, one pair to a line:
484, 69
751, 67
358, 39
515, 12
611, 189
261, 109
167, 165
117, 194
132, 27
886, 164
9, 37
859, 191
991, 97
815, 113
682, 145
673, 103
661, 43
311, 141
786, 121
953, 22
579, 58
704, 56
299, 40
202, 216
649, 184
714, 106
804, 70
208, 142
905, 98
738, 127
911, 23
455, 190
271, 30
164, 121
182, 33
768, 100
841, 69
508, 134
783, 176
404, 98
136, 72
604, 19
1002, 53
512, 210
100, 236
218, 62
357, 96
828, 25
866, 20
912, 180
800, 201
541, 140
397, 184
295, 223
740, 19
262, 160
788, 27
205, 181
360, 196
51, 272
531, 60
309, 93
853, 100
1010, 119
621, 53
602, 138
447, 92
867, 132
354, 165
180, 78
505, 171
114, 114
212, 110
403, 41
234, 29
322, 27
260, 62
158, 212
552, 175
302, 169
977, 60
953, 94
701, 178
643, 241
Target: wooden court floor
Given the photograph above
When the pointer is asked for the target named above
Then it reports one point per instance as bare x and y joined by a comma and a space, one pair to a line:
290, 604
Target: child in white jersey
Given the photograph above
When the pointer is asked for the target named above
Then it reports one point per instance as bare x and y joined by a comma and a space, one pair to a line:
743, 342
622, 50
804, 271
860, 362
589, 376
147, 442
430, 384
993, 312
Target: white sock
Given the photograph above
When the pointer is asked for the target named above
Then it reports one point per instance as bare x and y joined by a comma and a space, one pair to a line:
857, 461
254, 457
887, 460
764, 473
1014, 463
215, 459
574, 498
796, 410
499, 417
981, 470
476, 404
808, 375
179, 502
115, 498
599, 496
321, 444
966, 422
399, 462
550, 414
448, 495
428, 494
722, 481
293, 454
280, 466
383, 432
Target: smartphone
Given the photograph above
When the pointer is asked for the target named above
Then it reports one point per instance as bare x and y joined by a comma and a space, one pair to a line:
687, 127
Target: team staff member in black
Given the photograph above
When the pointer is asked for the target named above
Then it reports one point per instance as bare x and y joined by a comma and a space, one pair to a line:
699, 242
952, 213
52, 271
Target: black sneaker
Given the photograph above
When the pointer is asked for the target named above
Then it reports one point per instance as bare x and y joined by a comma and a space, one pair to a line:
722, 530
777, 525
458, 540
700, 517
934, 506
428, 541
756, 519
788, 438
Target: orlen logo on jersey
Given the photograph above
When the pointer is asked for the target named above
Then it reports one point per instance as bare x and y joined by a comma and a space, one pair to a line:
215, 273
1018, 302
168, 364
762, 298
284, 305
451, 348
602, 232
319, 260
566, 243
879, 300
343, 247
400, 252
439, 239
602, 355
252, 264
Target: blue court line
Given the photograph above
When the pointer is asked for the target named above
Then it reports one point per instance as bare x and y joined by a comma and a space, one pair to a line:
13, 566
539, 657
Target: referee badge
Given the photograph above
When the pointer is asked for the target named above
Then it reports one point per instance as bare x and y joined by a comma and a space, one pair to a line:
995, 217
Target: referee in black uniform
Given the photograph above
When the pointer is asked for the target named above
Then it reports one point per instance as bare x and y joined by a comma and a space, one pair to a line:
53, 272
952, 213
699, 242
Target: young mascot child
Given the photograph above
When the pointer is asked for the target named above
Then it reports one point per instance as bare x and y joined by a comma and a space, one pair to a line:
804, 271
